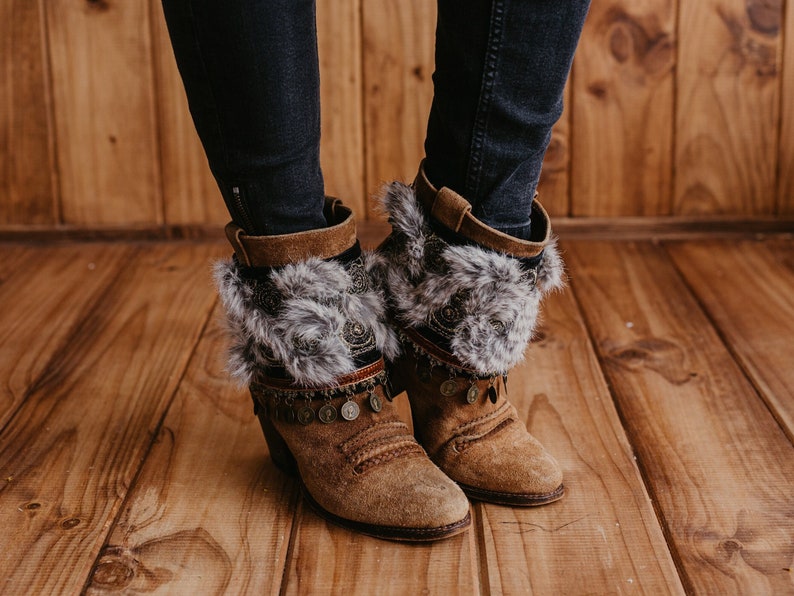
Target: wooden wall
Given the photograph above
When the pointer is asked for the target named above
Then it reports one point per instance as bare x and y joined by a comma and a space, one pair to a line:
675, 107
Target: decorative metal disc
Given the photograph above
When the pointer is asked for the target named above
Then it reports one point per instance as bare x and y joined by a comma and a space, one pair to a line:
327, 414
375, 402
305, 415
350, 410
449, 388
289, 414
472, 394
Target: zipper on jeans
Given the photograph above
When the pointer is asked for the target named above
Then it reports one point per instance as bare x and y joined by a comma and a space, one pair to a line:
241, 209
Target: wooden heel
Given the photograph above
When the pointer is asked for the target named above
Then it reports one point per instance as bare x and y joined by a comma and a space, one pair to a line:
279, 451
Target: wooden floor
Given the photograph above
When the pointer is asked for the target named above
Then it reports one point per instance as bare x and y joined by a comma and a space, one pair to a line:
663, 381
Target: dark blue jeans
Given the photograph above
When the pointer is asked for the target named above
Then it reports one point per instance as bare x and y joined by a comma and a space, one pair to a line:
250, 70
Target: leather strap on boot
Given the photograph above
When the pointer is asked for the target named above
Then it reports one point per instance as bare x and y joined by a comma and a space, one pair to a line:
454, 212
283, 249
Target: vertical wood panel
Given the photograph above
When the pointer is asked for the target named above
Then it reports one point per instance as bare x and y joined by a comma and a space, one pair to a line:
555, 181
107, 146
399, 40
785, 195
26, 174
342, 141
623, 109
190, 193
727, 114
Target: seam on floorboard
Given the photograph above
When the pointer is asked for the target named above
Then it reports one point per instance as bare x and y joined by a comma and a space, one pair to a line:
735, 356
147, 452
686, 582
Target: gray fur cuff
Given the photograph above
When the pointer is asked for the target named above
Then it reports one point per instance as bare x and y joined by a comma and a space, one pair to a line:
313, 318
486, 304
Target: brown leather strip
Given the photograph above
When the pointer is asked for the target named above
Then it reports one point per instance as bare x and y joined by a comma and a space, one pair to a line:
283, 249
357, 376
454, 212
433, 350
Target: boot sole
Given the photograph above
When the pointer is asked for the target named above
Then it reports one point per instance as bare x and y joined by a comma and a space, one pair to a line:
512, 499
394, 533
284, 461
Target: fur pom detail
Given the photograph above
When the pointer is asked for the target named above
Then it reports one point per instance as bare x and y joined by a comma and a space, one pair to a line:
298, 316
484, 302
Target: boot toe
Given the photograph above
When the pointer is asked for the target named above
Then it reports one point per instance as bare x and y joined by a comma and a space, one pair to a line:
511, 472
409, 500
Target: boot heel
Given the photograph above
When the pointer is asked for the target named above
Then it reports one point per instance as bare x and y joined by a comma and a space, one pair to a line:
279, 451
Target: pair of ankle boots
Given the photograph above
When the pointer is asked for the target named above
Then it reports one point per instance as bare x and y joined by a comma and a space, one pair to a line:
327, 335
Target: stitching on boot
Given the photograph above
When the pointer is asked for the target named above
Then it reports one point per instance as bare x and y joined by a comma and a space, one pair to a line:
502, 410
412, 449
373, 448
474, 431
377, 430
379, 443
497, 299
462, 443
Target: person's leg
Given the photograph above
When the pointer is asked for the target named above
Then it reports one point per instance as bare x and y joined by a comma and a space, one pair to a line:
262, 146
501, 67
305, 312
465, 269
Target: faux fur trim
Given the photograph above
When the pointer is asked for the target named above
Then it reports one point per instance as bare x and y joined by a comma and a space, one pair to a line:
498, 299
303, 332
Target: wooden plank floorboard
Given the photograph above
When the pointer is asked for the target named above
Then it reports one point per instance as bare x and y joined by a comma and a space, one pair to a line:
604, 535
748, 290
719, 467
209, 514
75, 445
326, 559
46, 295
91, 499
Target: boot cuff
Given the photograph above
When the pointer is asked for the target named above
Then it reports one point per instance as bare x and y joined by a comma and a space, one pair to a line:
483, 303
317, 319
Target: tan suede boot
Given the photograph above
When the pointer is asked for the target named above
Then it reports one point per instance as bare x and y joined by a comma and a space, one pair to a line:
465, 299
308, 328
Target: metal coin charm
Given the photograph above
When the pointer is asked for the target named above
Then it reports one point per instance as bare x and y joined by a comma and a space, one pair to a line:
449, 388
375, 402
350, 410
327, 414
289, 414
305, 415
492, 393
472, 394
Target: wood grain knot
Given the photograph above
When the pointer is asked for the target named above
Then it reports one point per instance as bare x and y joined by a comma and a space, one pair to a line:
70, 523
730, 546
639, 40
97, 5
112, 575
763, 540
751, 52
765, 15
659, 355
